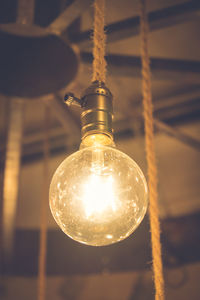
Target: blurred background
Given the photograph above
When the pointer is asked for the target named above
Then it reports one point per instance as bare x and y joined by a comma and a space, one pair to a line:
45, 52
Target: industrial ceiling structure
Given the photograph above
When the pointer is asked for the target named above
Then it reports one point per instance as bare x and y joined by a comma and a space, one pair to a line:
45, 52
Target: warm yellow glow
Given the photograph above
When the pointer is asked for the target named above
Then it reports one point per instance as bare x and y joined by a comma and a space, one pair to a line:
97, 139
98, 195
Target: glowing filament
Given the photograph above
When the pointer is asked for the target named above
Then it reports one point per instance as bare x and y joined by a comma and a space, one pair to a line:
98, 195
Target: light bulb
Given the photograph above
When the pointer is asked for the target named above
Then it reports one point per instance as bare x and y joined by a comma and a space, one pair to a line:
98, 195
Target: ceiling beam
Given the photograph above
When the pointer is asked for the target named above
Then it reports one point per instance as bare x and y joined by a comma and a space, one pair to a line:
70, 14
64, 114
25, 12
158, 19
180, 242
177, 134
67, 138
161, 68
32, 150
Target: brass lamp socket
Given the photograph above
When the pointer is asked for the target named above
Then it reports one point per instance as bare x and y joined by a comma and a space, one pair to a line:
97, 110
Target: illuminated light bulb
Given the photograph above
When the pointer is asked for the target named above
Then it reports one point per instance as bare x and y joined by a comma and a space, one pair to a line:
98, 195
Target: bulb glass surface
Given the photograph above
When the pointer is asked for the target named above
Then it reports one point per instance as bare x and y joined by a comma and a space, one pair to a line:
98, 195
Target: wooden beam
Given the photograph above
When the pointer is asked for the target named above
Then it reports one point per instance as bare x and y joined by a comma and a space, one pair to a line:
158, 19
177, 134
25, 12
180, 242
64, 115
161, 68
70, 14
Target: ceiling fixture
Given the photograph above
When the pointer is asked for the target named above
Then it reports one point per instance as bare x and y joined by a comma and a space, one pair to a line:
98, 195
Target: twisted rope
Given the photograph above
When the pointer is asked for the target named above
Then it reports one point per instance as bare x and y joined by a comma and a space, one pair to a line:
99, 41
151, 159
43, 212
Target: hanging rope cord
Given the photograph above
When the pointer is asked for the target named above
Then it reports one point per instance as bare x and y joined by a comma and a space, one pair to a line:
99, 73
43, 211
99, 42
151, 159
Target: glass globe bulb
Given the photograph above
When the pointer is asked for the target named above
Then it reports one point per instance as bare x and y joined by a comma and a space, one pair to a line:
98, 195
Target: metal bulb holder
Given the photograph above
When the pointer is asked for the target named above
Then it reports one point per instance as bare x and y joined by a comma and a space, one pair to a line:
97, 109
98, 195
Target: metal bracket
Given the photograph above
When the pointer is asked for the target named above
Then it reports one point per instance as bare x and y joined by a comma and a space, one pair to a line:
97, 110
71, 99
